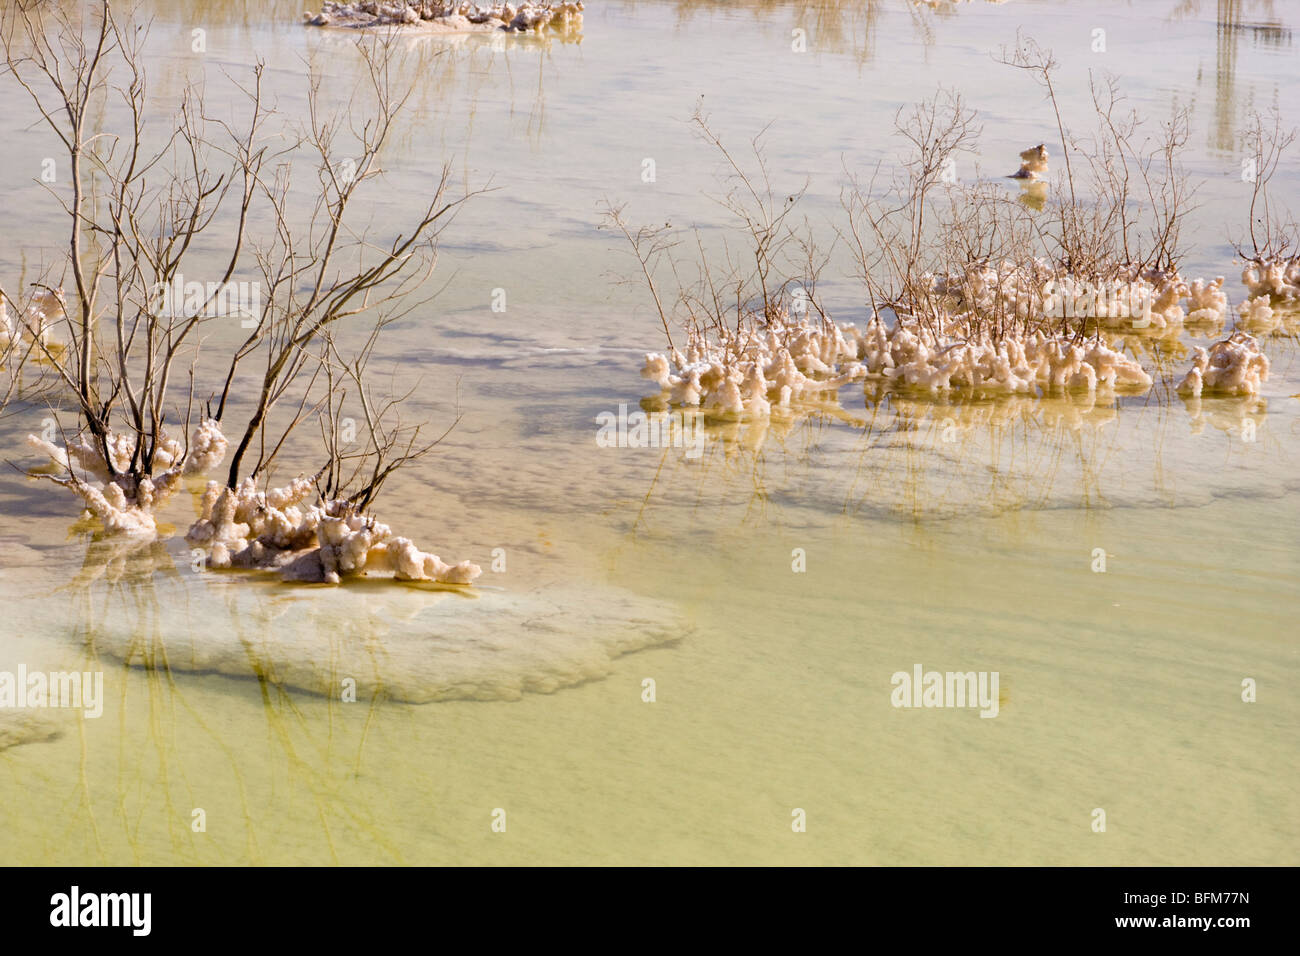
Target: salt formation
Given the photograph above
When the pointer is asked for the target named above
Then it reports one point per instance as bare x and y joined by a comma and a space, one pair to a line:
240, 527
320, 544
525, 17
1278, 278
745, 374
1274, 294
1235, 366
45, 309
1033, 163
207, 448
1257, 315
953, 357
742, 372
1150, 300
1016, 328
1207, 303
121, 503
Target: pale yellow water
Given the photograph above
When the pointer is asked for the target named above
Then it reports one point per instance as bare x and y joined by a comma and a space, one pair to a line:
955, 537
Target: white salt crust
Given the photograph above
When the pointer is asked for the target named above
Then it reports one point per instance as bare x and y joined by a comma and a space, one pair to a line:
36, 322
1033, 163
746, 373
242, 527
1278, 278
455, 17
122, 505
1234, 366
319, 544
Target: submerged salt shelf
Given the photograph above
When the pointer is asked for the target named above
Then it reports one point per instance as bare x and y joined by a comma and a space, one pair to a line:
32, 708
19, 727
29, 709
933, 462
404, 644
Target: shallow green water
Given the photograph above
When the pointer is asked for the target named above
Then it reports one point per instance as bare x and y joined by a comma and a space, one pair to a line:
958, 538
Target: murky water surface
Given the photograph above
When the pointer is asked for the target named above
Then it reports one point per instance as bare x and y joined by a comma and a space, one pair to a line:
959, 536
